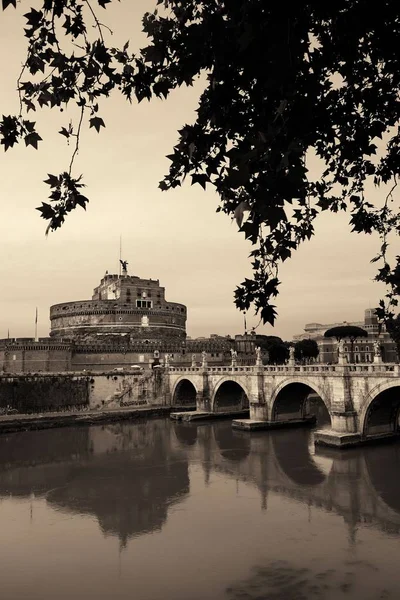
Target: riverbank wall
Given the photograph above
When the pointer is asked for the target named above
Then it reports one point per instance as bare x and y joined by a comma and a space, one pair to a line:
40, 393
61, 392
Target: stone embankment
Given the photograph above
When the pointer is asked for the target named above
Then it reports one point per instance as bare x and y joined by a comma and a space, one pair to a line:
25, 422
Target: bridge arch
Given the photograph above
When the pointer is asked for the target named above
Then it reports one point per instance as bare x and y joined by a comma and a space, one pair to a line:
288, 400
184, 393
380, 410
229, 395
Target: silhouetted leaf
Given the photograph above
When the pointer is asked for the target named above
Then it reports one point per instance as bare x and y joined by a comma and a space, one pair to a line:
97, 123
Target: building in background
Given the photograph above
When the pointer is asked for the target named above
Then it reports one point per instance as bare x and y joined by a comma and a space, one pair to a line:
363, 348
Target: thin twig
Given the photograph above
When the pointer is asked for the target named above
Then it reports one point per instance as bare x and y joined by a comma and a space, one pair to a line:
98, 24
78, 133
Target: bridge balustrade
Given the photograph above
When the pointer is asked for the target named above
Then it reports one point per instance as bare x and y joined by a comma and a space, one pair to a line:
321, 368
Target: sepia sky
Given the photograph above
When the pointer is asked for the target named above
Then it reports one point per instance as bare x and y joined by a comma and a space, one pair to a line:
176, 236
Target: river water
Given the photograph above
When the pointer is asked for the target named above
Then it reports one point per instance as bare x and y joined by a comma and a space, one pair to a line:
163, 511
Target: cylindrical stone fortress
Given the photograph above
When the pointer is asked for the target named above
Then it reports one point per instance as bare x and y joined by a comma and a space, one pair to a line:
121, 305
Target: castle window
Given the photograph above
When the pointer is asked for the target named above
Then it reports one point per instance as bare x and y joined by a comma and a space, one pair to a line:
144, 304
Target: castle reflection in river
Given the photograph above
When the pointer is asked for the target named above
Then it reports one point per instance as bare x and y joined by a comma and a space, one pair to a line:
128, 476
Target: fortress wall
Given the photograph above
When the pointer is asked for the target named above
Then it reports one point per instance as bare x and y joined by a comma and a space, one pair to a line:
31, 359
107, 361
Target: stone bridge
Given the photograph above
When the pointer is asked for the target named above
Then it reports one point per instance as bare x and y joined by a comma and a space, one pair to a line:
363, 401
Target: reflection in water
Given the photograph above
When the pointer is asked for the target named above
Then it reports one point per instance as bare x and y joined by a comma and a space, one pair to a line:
182, 495
383, 466
281, 581
126, 476
233, 445
293, 456
186, 433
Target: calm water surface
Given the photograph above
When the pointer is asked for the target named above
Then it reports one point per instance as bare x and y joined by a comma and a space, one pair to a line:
159, 511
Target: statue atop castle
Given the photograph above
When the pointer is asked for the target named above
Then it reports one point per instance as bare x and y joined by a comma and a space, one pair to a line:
124, 264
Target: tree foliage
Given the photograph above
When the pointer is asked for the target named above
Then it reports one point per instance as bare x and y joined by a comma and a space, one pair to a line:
278, 350
393, 329
304, 350
350, 332
283, 83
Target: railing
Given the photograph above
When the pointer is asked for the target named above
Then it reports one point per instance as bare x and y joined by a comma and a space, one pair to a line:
280, 369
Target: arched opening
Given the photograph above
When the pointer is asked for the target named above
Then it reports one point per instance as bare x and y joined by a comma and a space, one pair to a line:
230, 396
382, 416
185, 394
292, 451
298, 400
186, 433
315, 406
234, 446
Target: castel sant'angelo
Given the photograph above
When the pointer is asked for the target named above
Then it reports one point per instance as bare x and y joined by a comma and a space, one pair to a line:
124, 306
127, 322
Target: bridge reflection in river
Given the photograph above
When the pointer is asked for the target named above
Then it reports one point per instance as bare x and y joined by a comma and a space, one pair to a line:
175, 480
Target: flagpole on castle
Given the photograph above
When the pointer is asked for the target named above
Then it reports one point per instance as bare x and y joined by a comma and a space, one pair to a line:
120, 254
36, 320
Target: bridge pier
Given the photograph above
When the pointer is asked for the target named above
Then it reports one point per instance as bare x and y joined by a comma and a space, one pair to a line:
203, 399
344, 431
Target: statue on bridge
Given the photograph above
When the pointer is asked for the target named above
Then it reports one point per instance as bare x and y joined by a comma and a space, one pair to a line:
291, 356
377, 352
377, 348
258, 356
193, 360
204, 358
234, 357
341, 353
